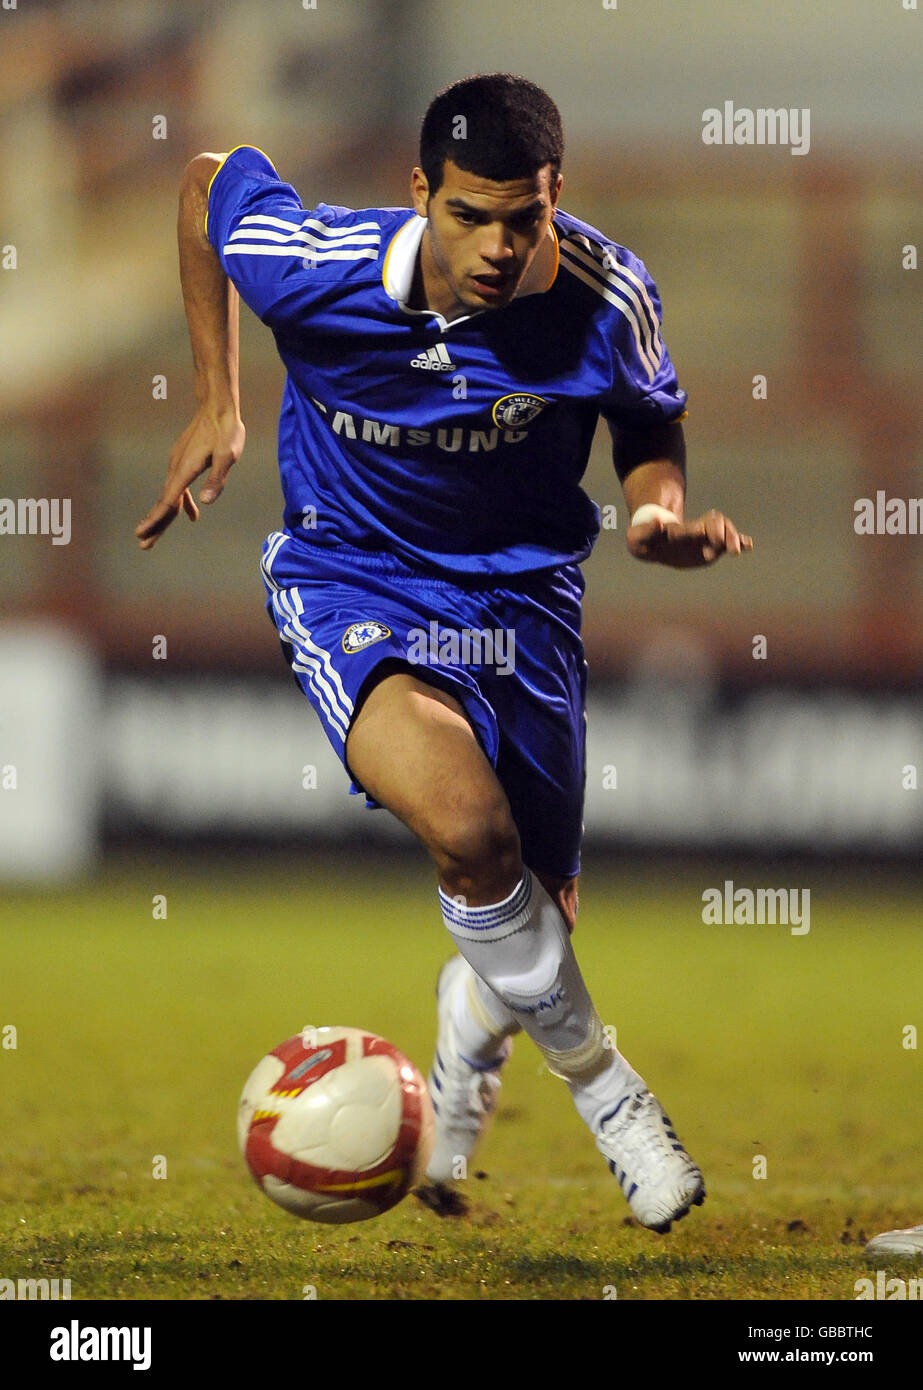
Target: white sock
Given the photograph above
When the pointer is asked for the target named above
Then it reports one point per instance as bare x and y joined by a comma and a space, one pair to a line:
482, 1021
521, 949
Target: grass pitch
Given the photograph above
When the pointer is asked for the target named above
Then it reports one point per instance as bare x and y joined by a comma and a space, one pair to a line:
134, 1035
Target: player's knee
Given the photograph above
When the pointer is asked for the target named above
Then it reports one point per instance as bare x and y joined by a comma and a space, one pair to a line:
477, 852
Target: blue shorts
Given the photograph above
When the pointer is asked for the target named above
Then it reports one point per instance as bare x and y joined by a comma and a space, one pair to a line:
511, 656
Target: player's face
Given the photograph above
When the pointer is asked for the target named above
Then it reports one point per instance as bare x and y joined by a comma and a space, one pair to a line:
482, 236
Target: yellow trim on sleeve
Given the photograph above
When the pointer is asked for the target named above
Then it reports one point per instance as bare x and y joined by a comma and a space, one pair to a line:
557, 258
224, 161
384, 267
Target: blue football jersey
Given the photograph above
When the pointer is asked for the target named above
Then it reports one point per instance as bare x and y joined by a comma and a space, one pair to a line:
458, 446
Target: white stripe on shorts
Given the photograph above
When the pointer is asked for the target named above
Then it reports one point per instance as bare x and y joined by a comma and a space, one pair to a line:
313, 661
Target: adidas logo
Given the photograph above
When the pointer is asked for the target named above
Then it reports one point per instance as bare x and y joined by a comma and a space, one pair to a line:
434, 359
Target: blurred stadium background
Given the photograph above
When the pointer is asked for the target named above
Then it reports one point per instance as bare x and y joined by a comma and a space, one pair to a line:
789, 267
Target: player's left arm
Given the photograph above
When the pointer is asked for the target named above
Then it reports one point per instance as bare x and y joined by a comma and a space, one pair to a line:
651, 463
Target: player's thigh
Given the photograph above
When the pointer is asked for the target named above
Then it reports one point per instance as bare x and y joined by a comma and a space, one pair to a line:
539, 707
413, 749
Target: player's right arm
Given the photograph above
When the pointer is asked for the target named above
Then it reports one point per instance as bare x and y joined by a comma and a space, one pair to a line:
214, 439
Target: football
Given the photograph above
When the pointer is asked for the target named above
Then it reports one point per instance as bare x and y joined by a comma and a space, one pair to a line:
335, 1125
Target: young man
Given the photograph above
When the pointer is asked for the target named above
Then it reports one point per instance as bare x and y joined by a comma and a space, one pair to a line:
446, 369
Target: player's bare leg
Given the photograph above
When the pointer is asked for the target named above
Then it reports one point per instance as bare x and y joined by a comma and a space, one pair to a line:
563, 893
411, 747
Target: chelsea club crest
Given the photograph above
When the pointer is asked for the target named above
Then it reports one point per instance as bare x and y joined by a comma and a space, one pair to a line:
510, 412
361, 635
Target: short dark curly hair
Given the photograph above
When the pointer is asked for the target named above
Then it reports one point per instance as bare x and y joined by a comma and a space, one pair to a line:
495, 125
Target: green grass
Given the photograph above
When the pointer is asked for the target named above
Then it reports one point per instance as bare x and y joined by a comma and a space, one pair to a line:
135, 1036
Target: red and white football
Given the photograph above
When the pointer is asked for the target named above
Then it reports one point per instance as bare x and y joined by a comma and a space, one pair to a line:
336, 1124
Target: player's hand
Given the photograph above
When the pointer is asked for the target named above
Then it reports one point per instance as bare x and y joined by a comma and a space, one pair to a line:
214, 441
687, 544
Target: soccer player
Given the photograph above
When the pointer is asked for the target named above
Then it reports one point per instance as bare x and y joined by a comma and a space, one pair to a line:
447, 365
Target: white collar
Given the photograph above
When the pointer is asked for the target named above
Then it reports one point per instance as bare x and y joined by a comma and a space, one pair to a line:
400, 264
401, 260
